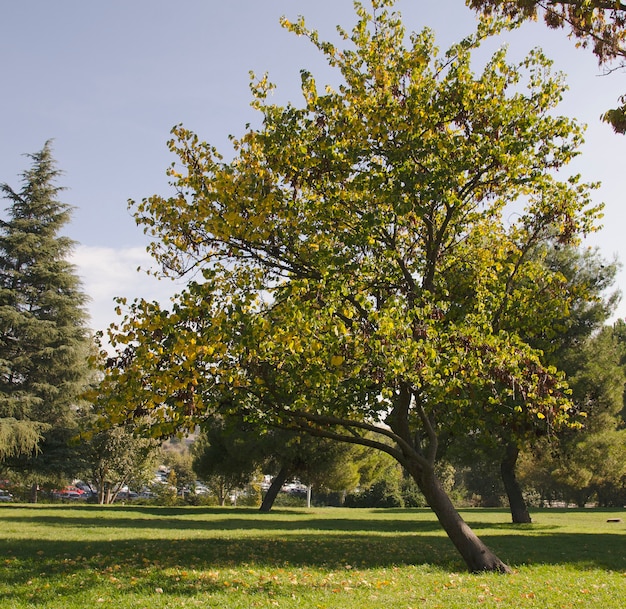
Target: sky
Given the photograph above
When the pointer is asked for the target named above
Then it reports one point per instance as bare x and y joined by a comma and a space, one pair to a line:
107, 81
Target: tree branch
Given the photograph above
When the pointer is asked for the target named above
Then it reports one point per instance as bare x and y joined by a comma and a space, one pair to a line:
403, 451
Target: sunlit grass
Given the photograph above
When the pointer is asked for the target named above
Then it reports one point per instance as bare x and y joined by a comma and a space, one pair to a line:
81, 556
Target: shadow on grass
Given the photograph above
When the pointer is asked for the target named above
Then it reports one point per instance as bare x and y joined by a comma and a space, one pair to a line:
213, 539
308, 548
183, 567
146, 561
229, 519
241, 519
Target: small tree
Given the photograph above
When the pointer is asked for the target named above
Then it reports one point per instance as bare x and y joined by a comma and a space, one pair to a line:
179, 459
317, 462
231, 451
226, 455
116, 458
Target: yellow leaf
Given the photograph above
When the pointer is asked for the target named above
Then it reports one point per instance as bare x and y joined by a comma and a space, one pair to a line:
336, 360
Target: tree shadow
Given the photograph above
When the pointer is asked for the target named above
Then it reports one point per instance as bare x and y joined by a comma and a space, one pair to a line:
166, 540
311, 548
241, 519
202, 548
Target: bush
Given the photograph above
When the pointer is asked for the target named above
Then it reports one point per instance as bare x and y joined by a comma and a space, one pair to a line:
250, 497
328, 499
290, 500
165, 495
382, 494
411, 495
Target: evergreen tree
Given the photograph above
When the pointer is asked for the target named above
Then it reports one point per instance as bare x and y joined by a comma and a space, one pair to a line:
44, 340
587, 463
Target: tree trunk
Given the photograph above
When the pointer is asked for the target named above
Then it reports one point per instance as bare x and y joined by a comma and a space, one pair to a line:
517, 504
34, 492
477, 556
274, 489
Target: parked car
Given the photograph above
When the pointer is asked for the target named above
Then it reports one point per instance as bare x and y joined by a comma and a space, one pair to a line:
5, 495
68, 495
69, 492
83, 486
201, 489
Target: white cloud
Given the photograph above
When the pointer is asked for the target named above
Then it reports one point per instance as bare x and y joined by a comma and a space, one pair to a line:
108, 273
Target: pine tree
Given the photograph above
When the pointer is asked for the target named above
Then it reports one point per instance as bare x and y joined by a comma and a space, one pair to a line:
44, 339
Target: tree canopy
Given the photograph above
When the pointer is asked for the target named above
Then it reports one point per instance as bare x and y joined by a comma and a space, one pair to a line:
600, 24
351, 265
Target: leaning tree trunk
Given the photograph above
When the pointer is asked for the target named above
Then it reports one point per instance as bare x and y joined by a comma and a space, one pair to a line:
274, 489
477, 556
517, 503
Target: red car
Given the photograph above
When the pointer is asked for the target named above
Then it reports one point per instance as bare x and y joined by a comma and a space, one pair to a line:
69, 492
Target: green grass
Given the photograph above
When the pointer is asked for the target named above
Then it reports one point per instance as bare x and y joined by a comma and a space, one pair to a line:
89, 556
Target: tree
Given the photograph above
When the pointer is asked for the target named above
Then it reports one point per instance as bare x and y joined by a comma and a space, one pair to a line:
44, 341
116, 458
586, 462
599, 23
593, 458
352, 257
560, 317
18, 437
178, 458
230, 451
226, 455
319, 462
619, 332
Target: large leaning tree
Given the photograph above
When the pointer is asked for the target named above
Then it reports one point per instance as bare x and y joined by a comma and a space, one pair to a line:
44, 339
347, 266
599, 24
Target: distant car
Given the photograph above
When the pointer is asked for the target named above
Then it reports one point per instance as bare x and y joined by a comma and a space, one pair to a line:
5, 496
70, 492
68, 495
82, 486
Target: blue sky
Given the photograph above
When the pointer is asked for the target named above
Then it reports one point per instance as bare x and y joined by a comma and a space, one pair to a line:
108, 80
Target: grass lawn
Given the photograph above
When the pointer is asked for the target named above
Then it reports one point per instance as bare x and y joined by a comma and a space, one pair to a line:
155, 557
